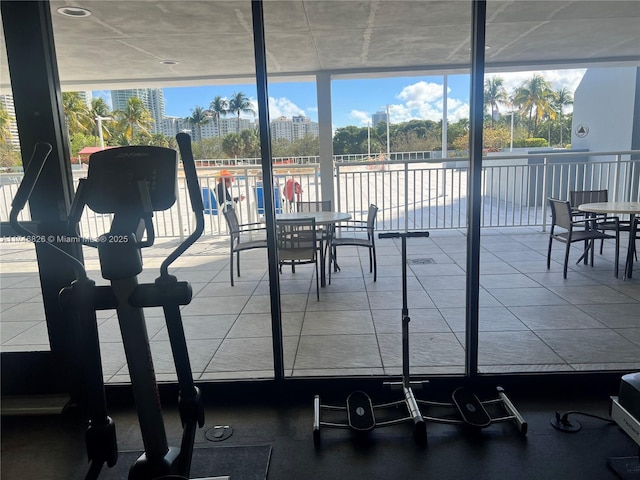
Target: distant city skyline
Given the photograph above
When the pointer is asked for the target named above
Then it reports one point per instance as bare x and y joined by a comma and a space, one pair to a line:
355, 101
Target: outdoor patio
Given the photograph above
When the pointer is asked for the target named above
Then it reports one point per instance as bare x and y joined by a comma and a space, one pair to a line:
531, 319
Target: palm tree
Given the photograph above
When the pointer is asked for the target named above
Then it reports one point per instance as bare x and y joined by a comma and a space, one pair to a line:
135, 116
218, 107
99, 108
5, 126
251, 143
238, 104
77, 113
232, 145
494, 93
562, 98
534, 99
199, 116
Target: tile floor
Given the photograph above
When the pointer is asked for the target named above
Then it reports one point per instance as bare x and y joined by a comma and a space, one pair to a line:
531, 319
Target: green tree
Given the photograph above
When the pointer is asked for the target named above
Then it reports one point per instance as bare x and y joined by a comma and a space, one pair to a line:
158, 140
239, 103
534, 98
494, 93
218, 107
199, 116
562, 98
79, 141
9, 156
306, 146
5, 126
349, 140
77, 113
208, 148
99, 108
251, 143
281, 147
134, 118
233, 145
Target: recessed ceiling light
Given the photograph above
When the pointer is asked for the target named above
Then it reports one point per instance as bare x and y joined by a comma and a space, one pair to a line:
169, 62
76, 12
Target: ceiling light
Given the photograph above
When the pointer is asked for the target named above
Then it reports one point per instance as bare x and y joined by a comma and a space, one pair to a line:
169, 62
75, 12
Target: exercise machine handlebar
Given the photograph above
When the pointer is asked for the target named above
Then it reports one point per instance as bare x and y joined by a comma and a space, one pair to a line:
38, 158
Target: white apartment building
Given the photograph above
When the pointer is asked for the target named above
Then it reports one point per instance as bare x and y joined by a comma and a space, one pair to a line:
86, 98
282, 127
293, 128
153, 99
230, 125
7, 103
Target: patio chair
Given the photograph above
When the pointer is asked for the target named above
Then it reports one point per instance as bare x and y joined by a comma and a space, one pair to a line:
319, 206
237, 244
577, 231
578, 197
367, 226
297, 244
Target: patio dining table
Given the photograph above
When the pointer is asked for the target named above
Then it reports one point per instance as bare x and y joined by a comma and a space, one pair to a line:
328, 219
619, 208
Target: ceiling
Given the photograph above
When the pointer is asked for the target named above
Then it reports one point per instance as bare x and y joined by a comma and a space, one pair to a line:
122, 43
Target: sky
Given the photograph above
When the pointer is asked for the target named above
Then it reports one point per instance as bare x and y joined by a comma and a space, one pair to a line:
354, 101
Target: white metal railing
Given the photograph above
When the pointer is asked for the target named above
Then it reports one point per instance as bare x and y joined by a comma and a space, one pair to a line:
429, 195
410, 194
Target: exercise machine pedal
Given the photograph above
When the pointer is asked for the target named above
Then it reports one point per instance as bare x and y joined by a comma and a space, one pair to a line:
360, 412
470, 407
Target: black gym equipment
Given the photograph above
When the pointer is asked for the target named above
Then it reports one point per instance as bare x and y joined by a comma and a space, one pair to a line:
466, 407
129, 183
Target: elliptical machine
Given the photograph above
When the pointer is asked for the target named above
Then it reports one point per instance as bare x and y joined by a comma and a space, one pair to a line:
129, 183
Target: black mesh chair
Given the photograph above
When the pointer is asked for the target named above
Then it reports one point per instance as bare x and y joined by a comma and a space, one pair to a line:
324, 233
577, 231
236, 230
297, 244
367, 227
319, 206
579, 197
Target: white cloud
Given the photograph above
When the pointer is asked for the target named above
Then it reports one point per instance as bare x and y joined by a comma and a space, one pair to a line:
457, 109
282, 107
420, 93
362, 117
424, 100
569, 79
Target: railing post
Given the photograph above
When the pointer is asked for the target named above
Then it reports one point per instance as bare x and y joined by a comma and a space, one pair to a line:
616, 178
544, 193
337, 208
406, 196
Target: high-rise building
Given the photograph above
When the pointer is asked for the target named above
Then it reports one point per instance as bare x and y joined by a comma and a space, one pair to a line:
230, 125
153, 99
282, 127
378, 117
86, 98
6, 101
303, 126
293, 128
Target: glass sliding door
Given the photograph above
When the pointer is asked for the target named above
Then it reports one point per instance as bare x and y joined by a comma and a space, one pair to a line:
533, 319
